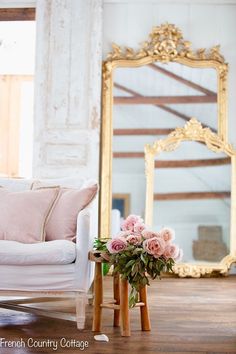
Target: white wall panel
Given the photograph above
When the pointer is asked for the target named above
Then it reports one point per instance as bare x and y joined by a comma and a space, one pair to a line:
68, 84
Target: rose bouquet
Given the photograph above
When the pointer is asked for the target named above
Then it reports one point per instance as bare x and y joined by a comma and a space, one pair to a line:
137, 252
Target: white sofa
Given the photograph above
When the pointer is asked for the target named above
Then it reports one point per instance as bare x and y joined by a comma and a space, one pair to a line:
22, 272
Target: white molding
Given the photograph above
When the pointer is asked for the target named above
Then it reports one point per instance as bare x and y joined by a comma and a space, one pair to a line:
17, 3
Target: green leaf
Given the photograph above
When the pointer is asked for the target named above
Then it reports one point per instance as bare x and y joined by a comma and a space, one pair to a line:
130, 263
133, 297
100, 244
145, 261
105, 268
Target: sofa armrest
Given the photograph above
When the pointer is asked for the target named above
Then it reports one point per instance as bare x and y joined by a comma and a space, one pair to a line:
87, 231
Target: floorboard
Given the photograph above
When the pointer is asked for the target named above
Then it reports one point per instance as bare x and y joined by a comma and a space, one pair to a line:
187, 316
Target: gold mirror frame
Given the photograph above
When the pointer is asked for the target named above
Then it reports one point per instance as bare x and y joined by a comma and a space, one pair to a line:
166, 44
193, 131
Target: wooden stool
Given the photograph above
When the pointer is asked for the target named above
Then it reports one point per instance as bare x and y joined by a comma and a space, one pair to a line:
120, 305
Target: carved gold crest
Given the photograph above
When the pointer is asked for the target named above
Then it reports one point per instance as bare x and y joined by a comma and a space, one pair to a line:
165, 44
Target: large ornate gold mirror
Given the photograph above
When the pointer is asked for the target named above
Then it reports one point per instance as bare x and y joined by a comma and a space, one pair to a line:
195, 195
146, 94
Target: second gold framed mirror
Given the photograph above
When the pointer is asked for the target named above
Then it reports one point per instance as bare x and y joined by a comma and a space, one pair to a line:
196, 195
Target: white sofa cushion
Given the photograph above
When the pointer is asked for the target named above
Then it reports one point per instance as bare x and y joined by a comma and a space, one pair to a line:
24, 215
52, 252
62, 222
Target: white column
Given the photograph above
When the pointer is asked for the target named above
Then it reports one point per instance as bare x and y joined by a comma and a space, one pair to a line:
67, 88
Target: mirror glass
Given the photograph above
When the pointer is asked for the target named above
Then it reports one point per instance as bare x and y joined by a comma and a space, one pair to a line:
148, 103
192, 195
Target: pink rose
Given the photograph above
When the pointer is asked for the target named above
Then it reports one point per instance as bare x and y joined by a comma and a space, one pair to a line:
150, 234
134, 239
116, 244
139, 227
171, 251
167, 234
130, 221
154, 246
124, 233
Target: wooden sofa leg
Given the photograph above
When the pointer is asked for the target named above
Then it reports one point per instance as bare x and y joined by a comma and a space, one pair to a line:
80, 302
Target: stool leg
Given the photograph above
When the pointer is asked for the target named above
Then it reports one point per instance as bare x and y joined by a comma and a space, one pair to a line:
145, 320
124, 308
116, 291
98, 298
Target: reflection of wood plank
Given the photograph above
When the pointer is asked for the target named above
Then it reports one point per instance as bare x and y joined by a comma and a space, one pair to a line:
126, 89
192, 163
160, 100
140, 131
175, 163
164, 108
126, 155
182, 116
192, 195
174, 112
182, 80
17, 14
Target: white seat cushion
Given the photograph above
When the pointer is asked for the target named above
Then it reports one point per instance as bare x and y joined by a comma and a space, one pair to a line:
51, 252
21, 184
39, 277
67, 182
16, 184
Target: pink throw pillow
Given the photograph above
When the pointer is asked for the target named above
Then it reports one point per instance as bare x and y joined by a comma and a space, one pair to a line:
63, 220
24, 215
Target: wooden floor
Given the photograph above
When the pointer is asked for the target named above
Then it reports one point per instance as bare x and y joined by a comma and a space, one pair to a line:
187, 316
